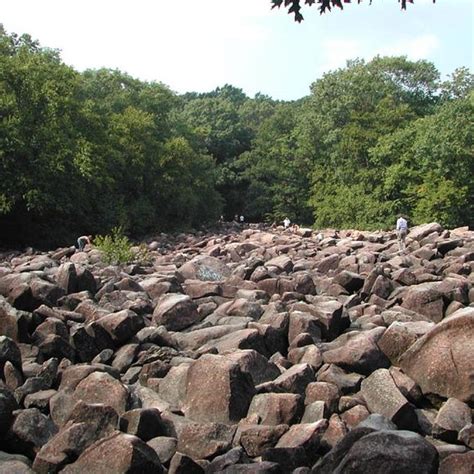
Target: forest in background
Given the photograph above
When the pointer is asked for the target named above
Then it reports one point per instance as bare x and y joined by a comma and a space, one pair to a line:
85, 152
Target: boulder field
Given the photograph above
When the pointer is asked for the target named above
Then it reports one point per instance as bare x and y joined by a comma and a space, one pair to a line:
242, 350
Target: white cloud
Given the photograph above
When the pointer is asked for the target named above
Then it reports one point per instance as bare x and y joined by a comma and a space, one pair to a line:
420, 47
201, 44
336, 51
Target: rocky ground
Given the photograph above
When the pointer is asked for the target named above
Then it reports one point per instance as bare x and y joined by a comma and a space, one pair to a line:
242, 351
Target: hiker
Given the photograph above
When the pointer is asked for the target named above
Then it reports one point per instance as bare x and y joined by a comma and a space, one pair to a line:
242, 219
286, 223
82, 241
402, 231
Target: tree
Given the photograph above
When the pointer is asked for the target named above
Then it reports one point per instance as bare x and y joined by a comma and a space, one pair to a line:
277, 175
294, 6
428, 169
91, 151
225, 121
459, 85
348, 112
40, 145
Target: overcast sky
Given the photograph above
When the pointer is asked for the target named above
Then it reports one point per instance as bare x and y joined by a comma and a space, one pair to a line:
198, 45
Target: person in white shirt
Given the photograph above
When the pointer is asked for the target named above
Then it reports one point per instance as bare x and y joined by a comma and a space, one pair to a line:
286, 223
402, 231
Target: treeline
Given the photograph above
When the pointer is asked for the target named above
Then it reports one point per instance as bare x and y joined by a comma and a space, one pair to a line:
84, 152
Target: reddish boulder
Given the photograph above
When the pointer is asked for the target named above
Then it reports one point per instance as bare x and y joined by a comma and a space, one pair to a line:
276, 408
100, 387
452, 417
383, 396
440, 362
117, 453
205, 440
457, 464
217, 390
175, 311
204, 268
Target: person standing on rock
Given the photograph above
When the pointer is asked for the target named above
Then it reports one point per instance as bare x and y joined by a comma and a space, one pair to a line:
402, 231
286, 223
82, 241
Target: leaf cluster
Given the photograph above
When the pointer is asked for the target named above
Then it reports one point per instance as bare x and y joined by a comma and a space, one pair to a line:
116, 248
294, 6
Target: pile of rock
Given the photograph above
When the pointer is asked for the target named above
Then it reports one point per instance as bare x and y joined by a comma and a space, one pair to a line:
253, 350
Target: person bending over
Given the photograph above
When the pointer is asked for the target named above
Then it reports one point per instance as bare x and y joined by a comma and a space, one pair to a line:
82, 241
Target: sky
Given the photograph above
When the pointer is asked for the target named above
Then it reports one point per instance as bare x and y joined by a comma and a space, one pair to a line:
198, 45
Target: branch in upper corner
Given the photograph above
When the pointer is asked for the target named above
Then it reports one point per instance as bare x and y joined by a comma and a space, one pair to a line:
294, 6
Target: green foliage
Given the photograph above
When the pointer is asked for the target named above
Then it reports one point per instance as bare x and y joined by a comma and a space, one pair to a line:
87, 152
441, 200
380, 141
116, 248
277, 173
429, 168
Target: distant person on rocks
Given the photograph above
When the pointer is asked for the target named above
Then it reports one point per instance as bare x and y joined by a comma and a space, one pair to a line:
286, 223
402, 231
82, 241
242, 219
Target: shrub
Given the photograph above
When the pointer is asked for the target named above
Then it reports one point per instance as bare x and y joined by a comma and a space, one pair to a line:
116, 248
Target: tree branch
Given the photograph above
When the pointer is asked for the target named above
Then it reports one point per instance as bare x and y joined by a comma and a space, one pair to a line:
294, 6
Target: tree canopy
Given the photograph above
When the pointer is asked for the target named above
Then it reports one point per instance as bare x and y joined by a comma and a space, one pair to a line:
86, 152
294, 6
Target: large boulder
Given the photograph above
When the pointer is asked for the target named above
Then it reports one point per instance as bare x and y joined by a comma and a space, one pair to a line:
87, 424
122, 325
99, 387
294, 380
205, 440
383, 396
425, 299
117, 453
175, 311
457, 464
8, 319
385, 452
305, 435
218, 390
276, 408
8, 405
453, 416
9, 352
440, 362
357, 352
204, 268
255, 439
400, 336
30, 430
421, 231
256, 365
